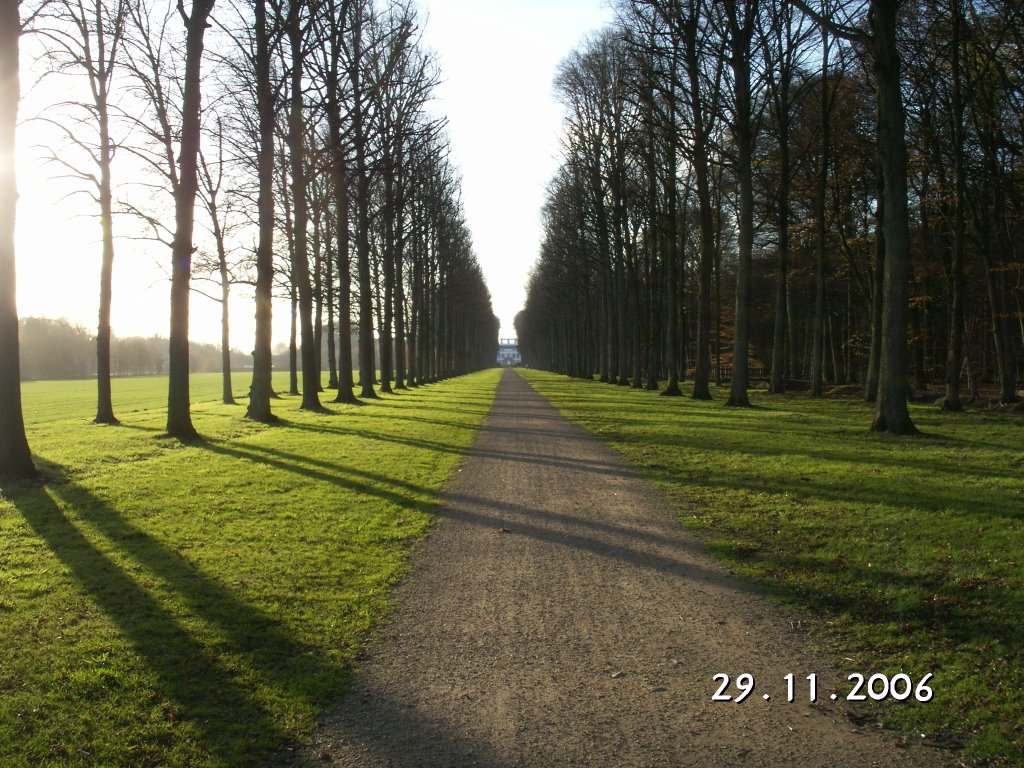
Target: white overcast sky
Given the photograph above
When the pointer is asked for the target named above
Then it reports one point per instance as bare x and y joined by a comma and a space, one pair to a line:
498, 59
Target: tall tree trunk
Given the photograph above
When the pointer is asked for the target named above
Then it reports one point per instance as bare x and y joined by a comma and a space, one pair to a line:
212, 189
385, 301
700, 161
917, 348
740, 33
104, 401
781, 101
367, 365
332, 350
621, 295
261, 388
654, 235
15, 457
653, 329
293, 342
227, 391
1001, 334
179, 417
318, 299
608, 351
892, 414
821, 255
637, 379
777, 385
673, 257
415, 300
877, 294
1008, 354
340, 189
955, 349
399, 282
300, 206
423, 340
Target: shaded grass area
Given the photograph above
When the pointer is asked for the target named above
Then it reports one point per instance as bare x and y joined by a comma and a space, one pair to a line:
195, 605
908, 552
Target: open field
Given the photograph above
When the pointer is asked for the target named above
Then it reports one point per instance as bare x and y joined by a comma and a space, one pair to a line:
907, 553
174, 605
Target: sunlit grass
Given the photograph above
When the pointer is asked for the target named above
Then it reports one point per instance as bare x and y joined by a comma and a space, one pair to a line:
164, 604
908, 552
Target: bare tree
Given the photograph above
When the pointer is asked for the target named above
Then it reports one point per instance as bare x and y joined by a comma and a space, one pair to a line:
211, 192
179, 418
891, 414
741, 26
782, 39
84, 37
296, 26
168, 80
15, 457
827, 101
264, 37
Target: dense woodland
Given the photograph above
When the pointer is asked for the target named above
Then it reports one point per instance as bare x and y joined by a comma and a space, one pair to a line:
798, 192
285, 145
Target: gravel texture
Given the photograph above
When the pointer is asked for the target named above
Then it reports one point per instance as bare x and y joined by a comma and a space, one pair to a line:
559, 615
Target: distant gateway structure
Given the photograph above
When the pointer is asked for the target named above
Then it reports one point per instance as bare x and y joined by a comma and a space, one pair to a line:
508, 353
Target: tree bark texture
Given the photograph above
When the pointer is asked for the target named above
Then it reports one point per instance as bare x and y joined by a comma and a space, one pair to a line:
15, 457
179, 417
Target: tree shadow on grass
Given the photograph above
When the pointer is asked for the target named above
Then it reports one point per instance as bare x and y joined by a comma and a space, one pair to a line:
869, 485
971, 626
544, 459
154, 609
405, 494
580, 531
959, 612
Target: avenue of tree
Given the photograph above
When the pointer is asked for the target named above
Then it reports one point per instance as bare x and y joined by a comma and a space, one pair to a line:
285, 144
815, 191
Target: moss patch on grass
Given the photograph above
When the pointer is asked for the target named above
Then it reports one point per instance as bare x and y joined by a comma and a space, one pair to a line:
908, 551
195, 605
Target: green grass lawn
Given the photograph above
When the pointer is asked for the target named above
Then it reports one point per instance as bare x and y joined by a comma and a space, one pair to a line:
907, 552
195, 605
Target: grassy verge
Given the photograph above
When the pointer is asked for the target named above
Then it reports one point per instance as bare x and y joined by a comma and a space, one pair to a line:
909, 551
170, 605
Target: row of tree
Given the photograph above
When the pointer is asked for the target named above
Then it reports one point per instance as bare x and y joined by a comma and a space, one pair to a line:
322, 175
853, 170
60, 349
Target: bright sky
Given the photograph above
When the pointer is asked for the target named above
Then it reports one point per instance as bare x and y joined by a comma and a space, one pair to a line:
498, 60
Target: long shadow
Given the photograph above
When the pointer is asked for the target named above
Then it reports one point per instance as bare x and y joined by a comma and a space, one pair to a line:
603, 468
854, 453
858, 489
947, 611
934, 605
393, 733
370, 483
438, 422
233, 725
628, 549
800, 421
495, 514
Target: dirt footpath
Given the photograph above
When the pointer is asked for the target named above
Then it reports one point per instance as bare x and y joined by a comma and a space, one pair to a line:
560, 616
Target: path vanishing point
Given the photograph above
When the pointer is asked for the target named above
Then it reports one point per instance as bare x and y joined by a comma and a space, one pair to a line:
559, 615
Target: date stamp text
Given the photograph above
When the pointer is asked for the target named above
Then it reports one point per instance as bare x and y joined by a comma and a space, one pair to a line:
876, 687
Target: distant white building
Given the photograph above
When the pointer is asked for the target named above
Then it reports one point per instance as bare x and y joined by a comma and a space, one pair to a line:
508, 353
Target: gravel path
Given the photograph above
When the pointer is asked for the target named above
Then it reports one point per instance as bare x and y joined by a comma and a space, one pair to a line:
560, 616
